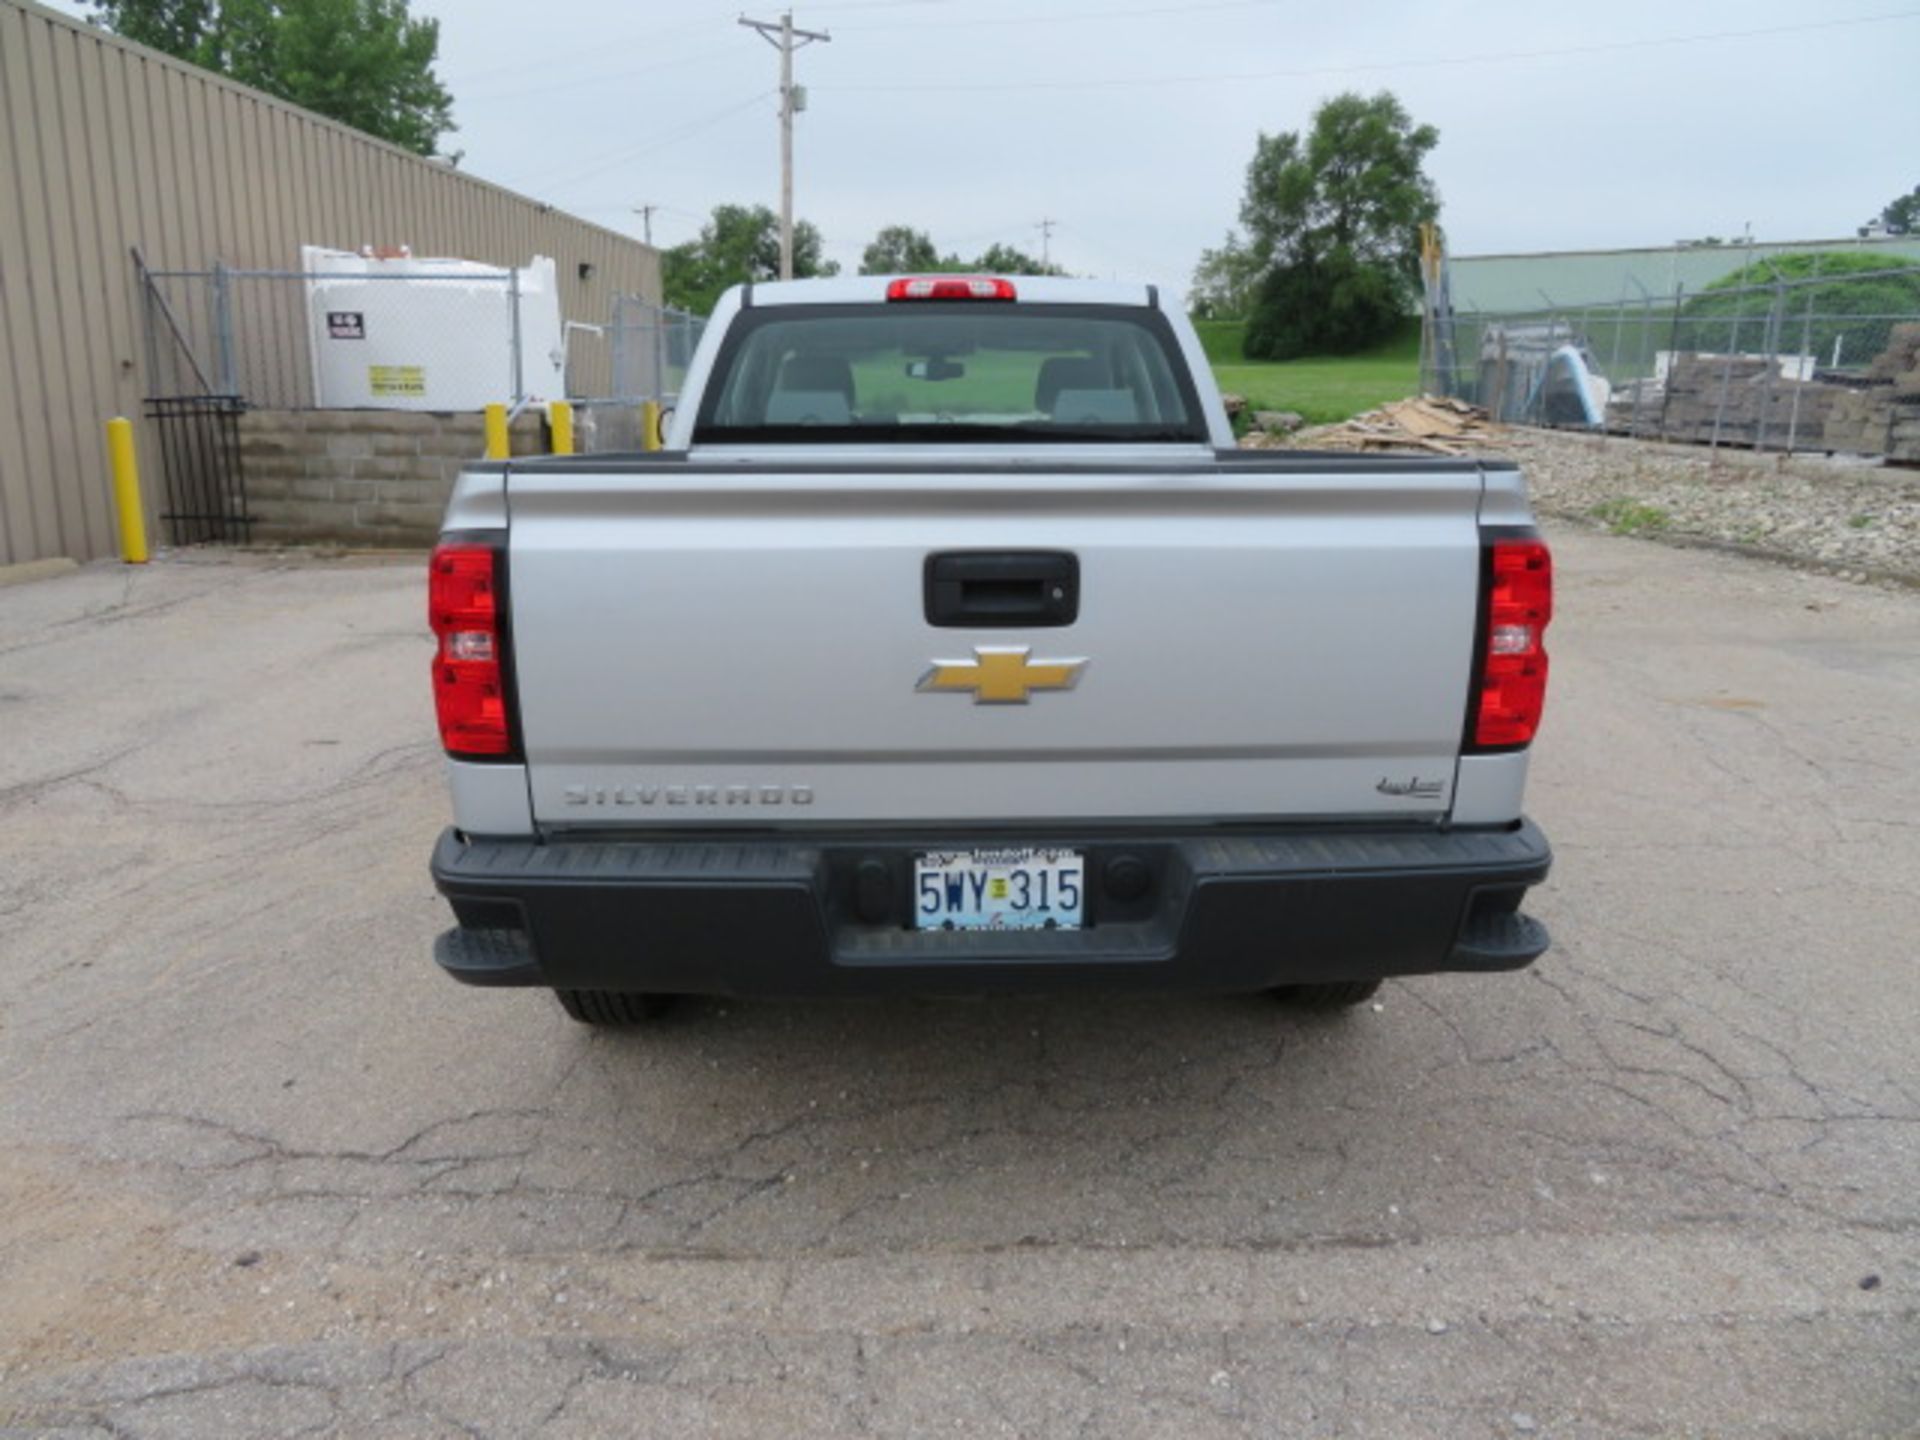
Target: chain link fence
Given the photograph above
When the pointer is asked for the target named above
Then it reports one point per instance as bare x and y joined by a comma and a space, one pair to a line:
1799, 363
321, 340
643, 355
452, 341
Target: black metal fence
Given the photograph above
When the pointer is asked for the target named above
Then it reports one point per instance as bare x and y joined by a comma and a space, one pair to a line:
206, 488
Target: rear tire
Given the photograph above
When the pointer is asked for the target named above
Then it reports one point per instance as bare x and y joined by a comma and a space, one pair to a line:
1341, 995
612, 1007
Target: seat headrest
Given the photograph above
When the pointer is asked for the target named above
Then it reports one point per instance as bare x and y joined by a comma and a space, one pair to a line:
1065, 372
816, 373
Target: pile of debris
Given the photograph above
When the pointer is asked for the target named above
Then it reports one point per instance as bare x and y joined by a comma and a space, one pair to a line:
1273, 423
1431, 422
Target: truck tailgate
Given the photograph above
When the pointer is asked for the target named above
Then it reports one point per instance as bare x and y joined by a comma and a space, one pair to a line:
706, 645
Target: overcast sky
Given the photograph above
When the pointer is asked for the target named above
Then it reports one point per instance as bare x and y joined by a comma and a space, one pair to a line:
1130, 122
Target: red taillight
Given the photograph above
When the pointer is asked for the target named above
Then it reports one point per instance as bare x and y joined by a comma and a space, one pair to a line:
1513, 672
469, 684
951, 287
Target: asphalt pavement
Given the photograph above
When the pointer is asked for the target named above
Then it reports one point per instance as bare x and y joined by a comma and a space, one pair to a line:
264, 1171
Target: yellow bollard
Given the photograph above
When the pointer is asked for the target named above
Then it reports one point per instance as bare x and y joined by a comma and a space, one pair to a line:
650, 436
496, 432
126, 491
560, 417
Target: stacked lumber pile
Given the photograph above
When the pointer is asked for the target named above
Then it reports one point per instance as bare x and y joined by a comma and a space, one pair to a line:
1903, 435
1883, 418
1857, 424
1742, 398
1900, 361
1431, 423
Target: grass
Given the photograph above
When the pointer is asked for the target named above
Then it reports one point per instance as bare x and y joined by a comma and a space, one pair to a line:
996, 382
1324, 390
1624, 516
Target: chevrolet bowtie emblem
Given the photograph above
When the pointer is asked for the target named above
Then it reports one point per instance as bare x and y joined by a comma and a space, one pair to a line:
1002, 675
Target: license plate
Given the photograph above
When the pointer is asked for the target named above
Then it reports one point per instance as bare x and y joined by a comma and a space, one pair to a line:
999, 890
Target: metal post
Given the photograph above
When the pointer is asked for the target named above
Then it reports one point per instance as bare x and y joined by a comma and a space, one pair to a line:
1673, 356
1806, 348
1646, 361
1776, 312
1619, 316
498, 442
223, 366
126, 491
1726, 373
661, 352
1497, 411
513, 305
560, 420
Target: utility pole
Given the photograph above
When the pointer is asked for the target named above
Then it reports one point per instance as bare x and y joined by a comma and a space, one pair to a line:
784, 38
1045, 227
645, 212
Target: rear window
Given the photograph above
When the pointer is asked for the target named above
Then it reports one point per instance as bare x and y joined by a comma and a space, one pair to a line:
952, 371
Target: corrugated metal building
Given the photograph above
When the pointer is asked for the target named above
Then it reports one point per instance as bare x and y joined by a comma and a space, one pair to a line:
1502, 284
105, 146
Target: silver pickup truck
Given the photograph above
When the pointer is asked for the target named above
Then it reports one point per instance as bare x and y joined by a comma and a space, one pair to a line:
951, 645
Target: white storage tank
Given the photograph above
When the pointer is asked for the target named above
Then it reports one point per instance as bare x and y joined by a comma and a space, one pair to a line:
396, 332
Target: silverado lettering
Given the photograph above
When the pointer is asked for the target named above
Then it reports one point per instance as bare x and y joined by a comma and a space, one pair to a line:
688, 795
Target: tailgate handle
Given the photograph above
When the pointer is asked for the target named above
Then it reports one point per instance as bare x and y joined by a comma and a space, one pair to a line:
1002, 589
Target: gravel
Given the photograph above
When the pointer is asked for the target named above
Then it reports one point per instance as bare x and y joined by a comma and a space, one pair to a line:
1856, 517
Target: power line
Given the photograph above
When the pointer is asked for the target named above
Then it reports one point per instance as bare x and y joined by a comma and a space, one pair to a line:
666, 137
651, 40
1074, 17
568, 83
874, 4
1218, 77
792, 100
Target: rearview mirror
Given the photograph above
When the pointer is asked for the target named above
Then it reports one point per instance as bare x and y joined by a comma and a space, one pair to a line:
935, 369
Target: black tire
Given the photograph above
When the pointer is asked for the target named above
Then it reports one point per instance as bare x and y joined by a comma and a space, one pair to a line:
612, 1007
1341, 995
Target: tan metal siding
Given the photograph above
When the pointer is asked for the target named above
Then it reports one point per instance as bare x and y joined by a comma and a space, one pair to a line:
105, 146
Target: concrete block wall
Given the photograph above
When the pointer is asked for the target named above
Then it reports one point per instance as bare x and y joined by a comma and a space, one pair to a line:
361, 477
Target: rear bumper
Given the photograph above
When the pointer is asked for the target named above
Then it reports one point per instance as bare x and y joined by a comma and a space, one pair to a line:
1220, 911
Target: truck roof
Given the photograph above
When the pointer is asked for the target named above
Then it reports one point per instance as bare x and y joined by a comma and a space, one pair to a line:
872, 289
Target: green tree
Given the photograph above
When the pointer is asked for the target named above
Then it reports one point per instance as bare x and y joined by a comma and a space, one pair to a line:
1332, 304
1332, 222
1224, 281
1902, 216
899, 249
1006, 260
739, 244
365, 63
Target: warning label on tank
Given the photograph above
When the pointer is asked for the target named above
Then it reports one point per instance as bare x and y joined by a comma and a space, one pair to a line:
398, 380
346, 325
